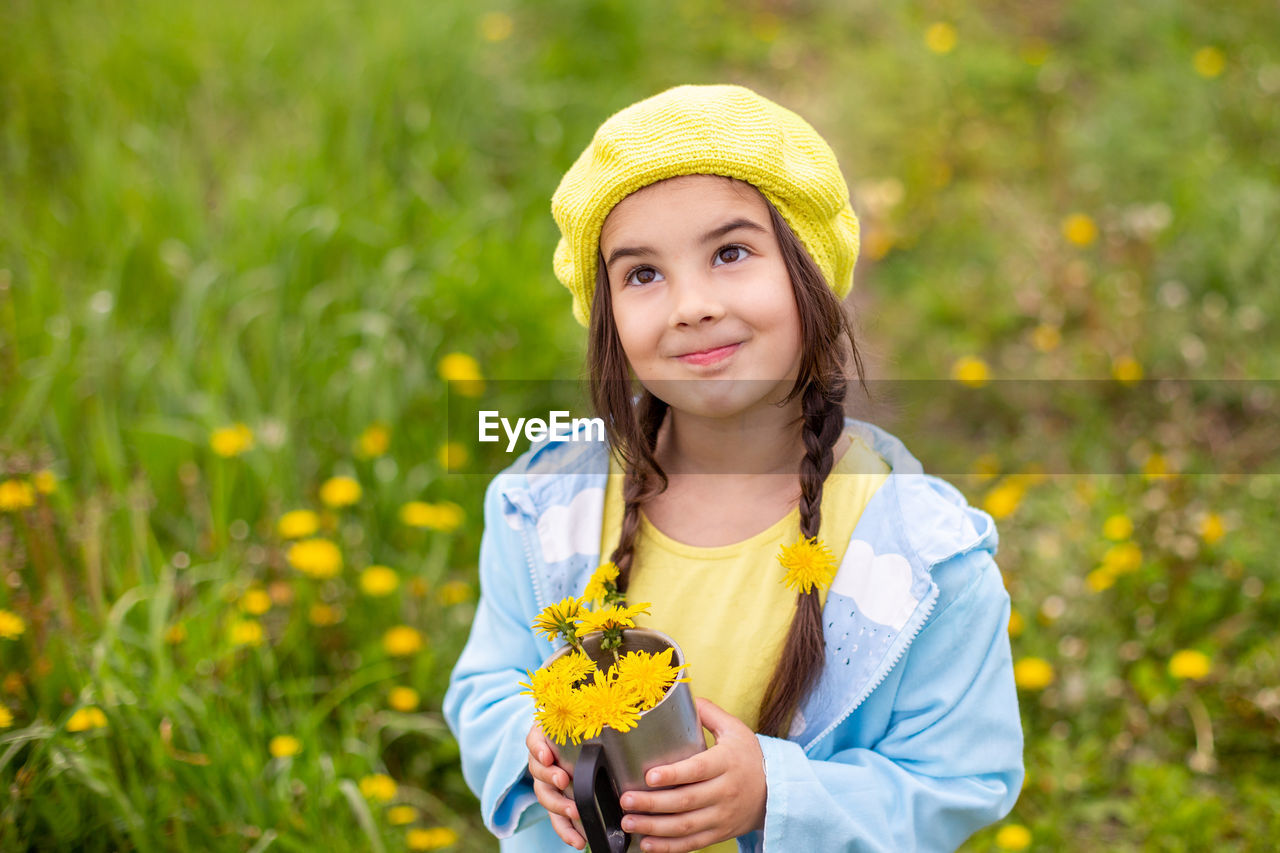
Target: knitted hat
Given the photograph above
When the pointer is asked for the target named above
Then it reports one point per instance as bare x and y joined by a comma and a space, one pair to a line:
712, 130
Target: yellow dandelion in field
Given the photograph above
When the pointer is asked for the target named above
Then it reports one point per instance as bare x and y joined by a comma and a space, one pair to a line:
453, 456
606, 703
378, 787
602, 580
647, 676
1190, 664
1212, 528
1117, 527
940, 37
1016, 624
1046, 337
970, 370
298, 524
1208, 62
404, 699
318, 558
338, 492
6, 717
613, 616
378, 581
1033, 673
16, 495
284, 746
1126, 369
255, 602
401, 815
246, 632
1013, 836
45, 481
1123, 558
402, 641
1003, 500
323, 615
496, 26
1080, 229
557, 619
454, 592
431, 838
175, 633
809, 564
1156, 467
87, 718
11, 625
463, 373
1100, 579
445, 516
373, 442
231, 440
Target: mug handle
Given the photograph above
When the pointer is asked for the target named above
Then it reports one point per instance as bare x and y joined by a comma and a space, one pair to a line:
597, 799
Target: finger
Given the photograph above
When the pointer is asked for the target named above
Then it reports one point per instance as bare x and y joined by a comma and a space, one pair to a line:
568, 832
554, 774
539, 746
682, 845
678, 826
705, 765
554, 801
716, 719
683, 798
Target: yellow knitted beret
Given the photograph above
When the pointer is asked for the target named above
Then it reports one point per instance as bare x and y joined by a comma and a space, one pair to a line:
712, 130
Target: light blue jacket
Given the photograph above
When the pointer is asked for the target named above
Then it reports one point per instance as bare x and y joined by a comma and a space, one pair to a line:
910, 740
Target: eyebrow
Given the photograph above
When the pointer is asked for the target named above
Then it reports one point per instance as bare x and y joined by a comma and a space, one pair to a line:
713, 234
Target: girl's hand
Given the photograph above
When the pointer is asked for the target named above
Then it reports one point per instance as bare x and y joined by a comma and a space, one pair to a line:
549, 781
719, 794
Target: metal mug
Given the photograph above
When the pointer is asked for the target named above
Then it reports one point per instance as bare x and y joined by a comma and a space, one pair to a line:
609, 765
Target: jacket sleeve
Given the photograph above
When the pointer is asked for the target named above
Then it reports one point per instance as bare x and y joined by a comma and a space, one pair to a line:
950, 761
482, 705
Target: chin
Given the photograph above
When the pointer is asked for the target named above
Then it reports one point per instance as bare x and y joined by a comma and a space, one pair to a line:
715, 398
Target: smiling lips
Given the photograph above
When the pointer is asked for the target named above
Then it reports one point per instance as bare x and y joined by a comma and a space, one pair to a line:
710, 356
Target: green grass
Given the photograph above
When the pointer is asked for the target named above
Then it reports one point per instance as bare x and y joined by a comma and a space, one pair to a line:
286, 215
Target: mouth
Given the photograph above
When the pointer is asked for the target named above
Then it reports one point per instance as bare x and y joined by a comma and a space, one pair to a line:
710, 356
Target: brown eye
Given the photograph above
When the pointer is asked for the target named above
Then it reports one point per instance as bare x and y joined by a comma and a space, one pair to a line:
644, 276
737, 254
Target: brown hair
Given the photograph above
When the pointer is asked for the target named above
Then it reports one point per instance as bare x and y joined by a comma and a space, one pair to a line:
633, 430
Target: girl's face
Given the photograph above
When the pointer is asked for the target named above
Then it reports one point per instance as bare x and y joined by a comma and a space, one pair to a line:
701, 297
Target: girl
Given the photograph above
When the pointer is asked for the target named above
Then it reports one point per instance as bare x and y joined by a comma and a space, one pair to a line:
707, 239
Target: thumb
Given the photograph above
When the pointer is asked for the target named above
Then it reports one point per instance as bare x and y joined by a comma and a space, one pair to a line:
715, 719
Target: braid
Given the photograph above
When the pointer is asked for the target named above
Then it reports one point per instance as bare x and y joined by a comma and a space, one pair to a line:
636, 487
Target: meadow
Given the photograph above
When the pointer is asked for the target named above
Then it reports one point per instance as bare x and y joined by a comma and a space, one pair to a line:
244, 248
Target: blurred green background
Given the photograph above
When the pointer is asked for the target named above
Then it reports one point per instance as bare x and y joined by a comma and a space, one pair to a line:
243, 245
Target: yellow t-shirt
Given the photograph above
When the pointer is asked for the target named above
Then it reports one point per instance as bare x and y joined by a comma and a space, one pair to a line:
726, 606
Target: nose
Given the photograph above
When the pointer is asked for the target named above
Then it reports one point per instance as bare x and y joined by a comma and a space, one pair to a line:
694, 300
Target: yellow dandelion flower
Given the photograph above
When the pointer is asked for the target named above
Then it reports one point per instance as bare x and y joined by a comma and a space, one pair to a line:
613, 616
401, 815
445, 516
298, 524
572, 668
1016, 624
402, 641
463, 372
557, 619
11, 625
339, 492
87, 718
940, 37
1003, 500
378, 581
1100, 579
1122, 558
564, 674
404, 699
559, 711
6, 717
246, 632
1033, 673
1212, 528
1208, 62
606, 703
1080, 229
1190, 664
496, 26
322, 615
453, 456
971, 371
378, 787
318, 558
175, 633
454, 592
808, 563
373, 442
45, 481
16, 495
1156, 467
1046, 337
255, 602
603, 579
231, 440
431, 837
1126, 369
284, 746
1117, 527
1013, 836
646, 676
